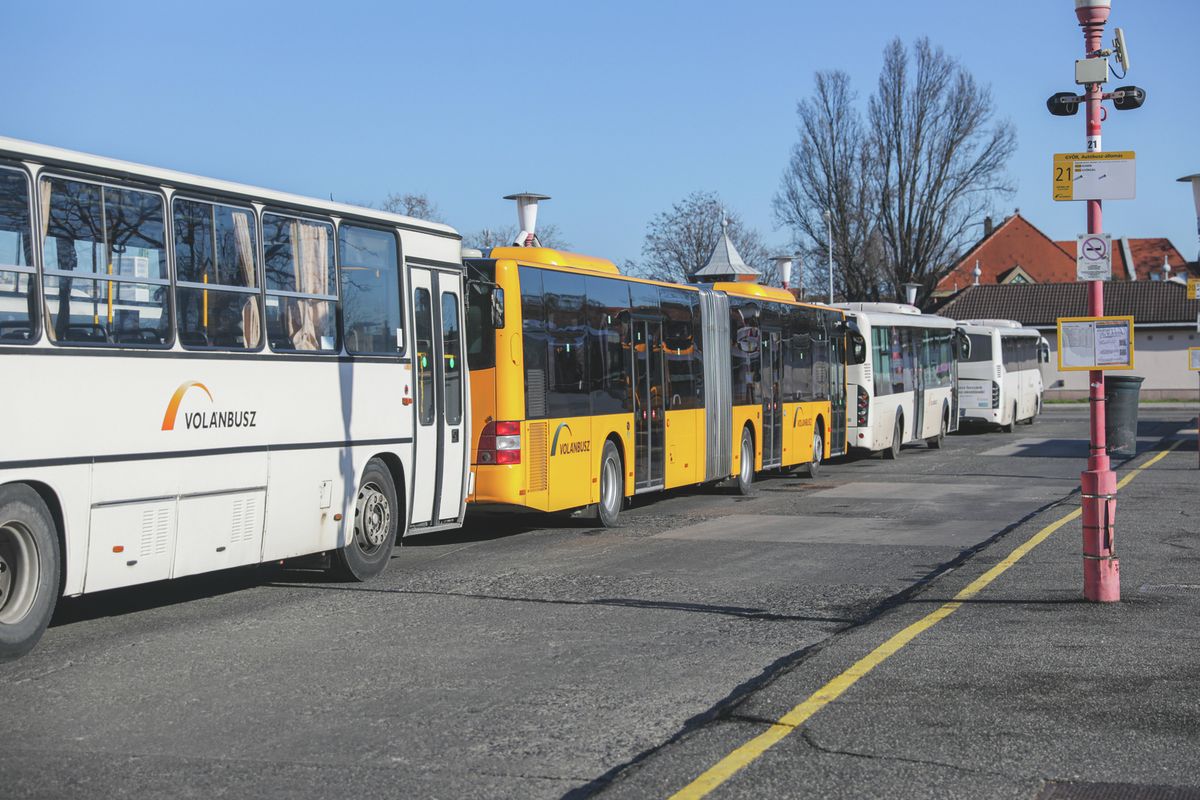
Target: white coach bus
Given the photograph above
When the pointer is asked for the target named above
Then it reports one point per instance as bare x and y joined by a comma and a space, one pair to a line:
905, 390
203, 375
1000, 383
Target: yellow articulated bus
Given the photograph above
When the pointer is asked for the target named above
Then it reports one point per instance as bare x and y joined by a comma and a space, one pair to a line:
588, 387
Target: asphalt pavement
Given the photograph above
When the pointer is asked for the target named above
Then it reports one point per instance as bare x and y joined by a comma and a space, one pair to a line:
544, 657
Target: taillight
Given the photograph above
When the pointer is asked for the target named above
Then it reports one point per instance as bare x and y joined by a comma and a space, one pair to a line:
864, 407
995, 395
500, 443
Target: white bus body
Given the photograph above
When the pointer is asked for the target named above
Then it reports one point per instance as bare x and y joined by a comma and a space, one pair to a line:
1000, 383
906, 385
301, 392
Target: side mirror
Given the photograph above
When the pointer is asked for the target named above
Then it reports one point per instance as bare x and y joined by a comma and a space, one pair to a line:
963, 343
1044, 352
858, 348
497, 307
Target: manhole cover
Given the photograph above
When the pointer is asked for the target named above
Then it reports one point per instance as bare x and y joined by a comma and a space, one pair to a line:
1115, 791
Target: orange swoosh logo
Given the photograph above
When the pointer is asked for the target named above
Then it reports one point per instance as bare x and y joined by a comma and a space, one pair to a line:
176, 399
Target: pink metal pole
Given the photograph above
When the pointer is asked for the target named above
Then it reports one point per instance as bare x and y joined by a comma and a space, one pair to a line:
1101, 569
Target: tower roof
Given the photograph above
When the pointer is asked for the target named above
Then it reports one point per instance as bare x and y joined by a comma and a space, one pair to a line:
725, 261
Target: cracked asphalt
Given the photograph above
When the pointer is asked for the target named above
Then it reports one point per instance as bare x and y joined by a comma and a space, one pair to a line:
534, 657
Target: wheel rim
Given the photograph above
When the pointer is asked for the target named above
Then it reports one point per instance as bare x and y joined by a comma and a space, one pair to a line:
818, 449
608, 485
373, 518
19, 572
747, 471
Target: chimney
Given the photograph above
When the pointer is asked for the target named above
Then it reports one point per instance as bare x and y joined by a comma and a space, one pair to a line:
987, 226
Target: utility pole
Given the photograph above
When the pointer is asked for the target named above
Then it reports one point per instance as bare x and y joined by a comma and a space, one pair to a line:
1101, 569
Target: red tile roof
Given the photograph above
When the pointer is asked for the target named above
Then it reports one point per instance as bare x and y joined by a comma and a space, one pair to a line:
1014, 243
1040, 304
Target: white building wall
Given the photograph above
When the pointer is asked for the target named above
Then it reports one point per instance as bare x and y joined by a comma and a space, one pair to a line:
1159, 356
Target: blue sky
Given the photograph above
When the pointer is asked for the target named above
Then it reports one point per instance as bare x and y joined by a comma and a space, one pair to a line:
615, 109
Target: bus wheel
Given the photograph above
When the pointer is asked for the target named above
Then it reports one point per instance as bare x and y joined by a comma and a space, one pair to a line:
611, 486
814, 466
893, 452
376, 522
1012, 423
745, 476
936, 442
29, 569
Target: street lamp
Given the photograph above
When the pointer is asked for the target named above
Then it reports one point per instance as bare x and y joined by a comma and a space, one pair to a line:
829, 228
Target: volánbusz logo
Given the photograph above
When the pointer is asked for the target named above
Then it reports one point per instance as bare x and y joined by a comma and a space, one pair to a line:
204, 420
569, 447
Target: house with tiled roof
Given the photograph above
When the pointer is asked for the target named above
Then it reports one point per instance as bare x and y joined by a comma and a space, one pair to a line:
1018, 252
1165, 326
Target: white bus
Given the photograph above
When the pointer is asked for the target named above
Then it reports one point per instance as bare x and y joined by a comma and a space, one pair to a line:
1000, 382
905, 390
203, 375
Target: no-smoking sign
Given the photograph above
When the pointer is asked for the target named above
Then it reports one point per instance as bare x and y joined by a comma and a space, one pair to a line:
1093, 257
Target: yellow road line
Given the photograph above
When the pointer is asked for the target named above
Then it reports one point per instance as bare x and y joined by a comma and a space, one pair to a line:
725, 769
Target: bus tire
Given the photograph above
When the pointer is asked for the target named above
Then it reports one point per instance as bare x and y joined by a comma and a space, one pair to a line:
814, 466
893, 452
1037, 409
745, 476
612, 488
30, 569
376, 523
936, 442
1012, 422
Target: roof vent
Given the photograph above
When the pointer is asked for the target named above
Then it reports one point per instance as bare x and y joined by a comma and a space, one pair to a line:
527, 207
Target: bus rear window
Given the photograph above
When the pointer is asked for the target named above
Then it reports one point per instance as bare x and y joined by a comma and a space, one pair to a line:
981, 347
481, 333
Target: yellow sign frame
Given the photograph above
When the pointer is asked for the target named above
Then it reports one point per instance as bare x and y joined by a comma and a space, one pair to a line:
1062, 174
1194, 358
1193, 289
1128, 321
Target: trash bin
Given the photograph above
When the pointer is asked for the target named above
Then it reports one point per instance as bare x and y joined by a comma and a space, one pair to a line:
1121, 413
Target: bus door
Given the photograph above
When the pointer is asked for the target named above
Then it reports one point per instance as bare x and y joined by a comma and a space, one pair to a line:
837, 395
771, 365
918, 346
439, 441
649, 407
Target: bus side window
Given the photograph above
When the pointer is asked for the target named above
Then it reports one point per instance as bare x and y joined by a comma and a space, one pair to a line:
301, 283
567, 393
609, 347
18, 321
533, 336
370, 282
105, 264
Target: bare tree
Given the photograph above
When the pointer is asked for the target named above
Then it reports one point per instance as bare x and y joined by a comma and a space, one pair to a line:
680, 241
829, 171
487, 238
414, 205
904, 189
941, 159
